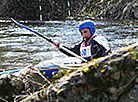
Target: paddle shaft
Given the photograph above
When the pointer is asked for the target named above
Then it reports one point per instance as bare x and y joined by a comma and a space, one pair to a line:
39, 34
72, 53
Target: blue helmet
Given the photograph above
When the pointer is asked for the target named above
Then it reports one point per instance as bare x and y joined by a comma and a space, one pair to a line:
87, 24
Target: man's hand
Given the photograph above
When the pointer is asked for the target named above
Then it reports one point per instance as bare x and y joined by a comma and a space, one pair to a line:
56, 43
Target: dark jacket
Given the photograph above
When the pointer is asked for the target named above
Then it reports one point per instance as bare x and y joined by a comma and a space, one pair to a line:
97, 50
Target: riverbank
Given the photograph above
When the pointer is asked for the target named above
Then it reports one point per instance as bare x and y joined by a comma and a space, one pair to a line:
61, 10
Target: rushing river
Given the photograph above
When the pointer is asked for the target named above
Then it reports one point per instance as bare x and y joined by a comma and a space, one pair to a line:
20, 48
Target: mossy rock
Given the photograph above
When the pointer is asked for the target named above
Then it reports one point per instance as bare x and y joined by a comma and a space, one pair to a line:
10, 85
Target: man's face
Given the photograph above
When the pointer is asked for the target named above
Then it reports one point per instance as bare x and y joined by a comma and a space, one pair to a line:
86, 33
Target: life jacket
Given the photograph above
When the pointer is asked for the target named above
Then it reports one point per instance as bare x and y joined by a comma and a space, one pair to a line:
85, 49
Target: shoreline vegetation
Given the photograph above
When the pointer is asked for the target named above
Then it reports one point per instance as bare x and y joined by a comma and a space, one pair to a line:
69, 9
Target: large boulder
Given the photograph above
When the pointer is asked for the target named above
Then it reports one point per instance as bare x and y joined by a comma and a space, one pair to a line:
107, 79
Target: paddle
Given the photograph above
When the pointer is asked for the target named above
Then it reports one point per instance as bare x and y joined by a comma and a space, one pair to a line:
39, 34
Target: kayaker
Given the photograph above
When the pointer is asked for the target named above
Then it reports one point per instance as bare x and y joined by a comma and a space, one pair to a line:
92, 46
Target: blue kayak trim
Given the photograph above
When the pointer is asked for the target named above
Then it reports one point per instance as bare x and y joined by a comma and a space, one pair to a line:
11, 71
48, 71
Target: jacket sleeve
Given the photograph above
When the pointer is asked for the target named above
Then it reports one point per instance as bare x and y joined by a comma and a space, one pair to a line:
97, 50
75, 49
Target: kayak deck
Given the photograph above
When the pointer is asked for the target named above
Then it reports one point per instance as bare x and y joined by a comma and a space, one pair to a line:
48, 71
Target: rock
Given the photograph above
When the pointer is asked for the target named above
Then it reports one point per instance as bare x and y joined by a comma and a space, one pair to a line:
10, 85
114, 84
21, 84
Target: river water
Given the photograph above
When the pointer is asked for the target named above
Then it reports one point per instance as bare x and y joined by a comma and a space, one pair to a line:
20, 48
